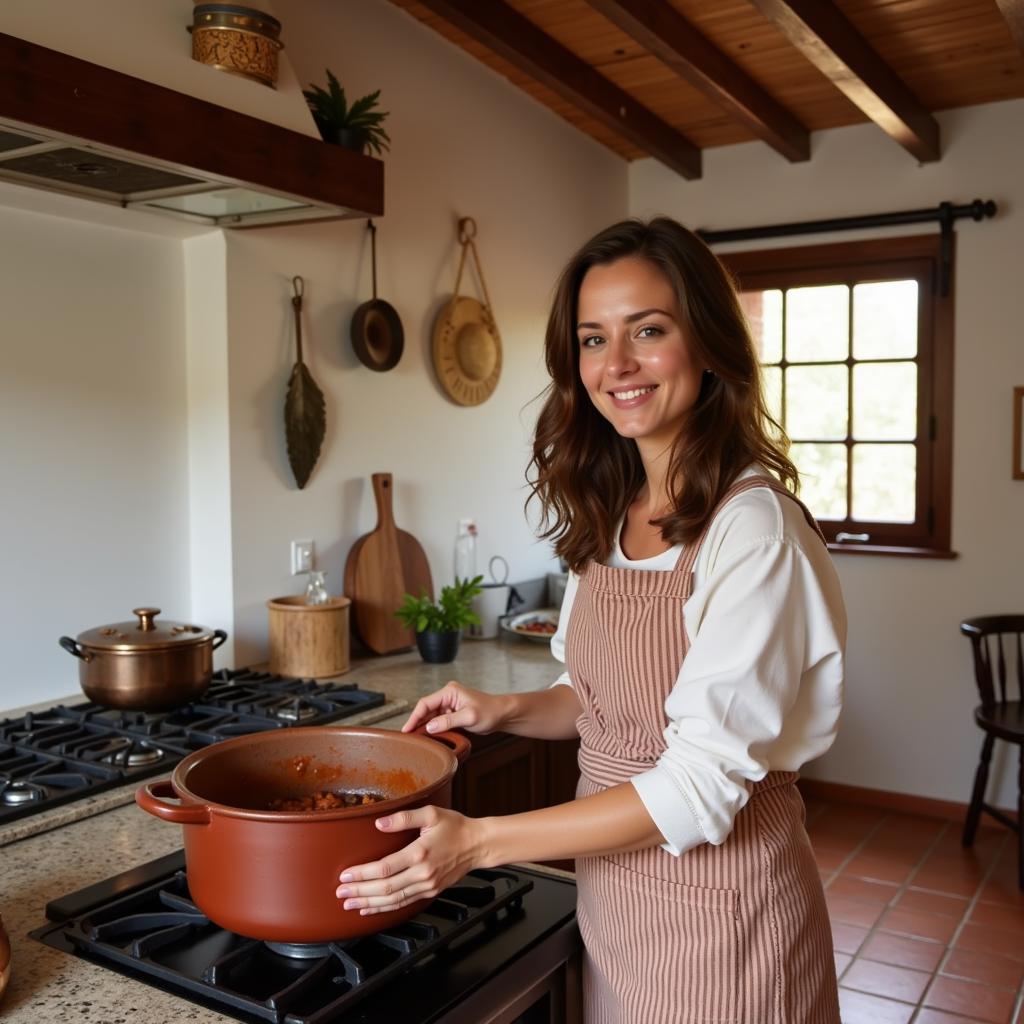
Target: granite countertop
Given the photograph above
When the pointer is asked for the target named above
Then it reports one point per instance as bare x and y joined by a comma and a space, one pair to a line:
76, 850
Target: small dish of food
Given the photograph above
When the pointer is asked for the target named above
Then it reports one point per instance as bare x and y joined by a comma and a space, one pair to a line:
539, 625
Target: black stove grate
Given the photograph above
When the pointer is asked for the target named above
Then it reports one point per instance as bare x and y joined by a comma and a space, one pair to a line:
144, 924
68, 752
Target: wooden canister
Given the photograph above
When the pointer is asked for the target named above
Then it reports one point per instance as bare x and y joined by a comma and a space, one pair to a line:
308, 639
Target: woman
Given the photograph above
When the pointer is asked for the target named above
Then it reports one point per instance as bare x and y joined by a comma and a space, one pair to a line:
703, 633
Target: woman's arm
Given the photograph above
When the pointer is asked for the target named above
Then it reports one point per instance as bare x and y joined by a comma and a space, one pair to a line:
544, 715
451, 844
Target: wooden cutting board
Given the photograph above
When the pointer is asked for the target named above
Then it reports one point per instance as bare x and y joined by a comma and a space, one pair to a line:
382, 567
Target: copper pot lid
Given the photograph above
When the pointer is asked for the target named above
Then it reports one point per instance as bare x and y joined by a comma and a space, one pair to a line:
145, 634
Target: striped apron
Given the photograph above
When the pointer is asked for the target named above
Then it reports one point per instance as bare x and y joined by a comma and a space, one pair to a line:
730, 934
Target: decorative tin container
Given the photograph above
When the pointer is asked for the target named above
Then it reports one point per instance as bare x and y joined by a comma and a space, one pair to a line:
239, 40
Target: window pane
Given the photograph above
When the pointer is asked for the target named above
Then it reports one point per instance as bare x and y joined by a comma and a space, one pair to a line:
884, 481
764, 314
885, 320
816, 402
885, 401
822, 478
772, 377
817, 323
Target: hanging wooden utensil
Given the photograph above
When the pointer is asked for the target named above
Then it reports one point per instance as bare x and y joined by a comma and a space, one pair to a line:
466, 342
305, 415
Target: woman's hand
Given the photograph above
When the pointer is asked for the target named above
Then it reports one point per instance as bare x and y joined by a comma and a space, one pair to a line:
448, 846
458, 707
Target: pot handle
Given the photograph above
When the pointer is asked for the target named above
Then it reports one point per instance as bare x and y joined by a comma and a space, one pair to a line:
219, 636
460, 746
73, 647
150, 797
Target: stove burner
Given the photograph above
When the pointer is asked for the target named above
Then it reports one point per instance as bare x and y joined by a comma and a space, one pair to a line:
18, 793
124, 752
296, 711
301, 950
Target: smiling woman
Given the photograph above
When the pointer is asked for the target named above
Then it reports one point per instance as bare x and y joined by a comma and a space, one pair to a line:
702, 632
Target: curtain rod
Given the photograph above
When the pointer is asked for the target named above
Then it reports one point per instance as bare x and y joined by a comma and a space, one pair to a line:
945, 214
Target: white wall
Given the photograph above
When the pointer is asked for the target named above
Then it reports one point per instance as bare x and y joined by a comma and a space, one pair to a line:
465, 142
907, 725
93, 457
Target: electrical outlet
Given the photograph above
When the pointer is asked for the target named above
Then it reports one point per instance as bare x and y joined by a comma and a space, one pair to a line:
302, 556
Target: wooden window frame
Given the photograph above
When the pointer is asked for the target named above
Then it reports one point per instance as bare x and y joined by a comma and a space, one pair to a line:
919, 257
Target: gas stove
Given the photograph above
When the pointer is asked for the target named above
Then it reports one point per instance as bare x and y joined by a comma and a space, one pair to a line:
501, 945
68, 752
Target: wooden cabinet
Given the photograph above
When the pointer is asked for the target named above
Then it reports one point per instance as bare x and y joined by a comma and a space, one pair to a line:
507, 774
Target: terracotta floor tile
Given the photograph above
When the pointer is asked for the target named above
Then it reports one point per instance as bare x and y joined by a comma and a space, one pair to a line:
1003, 889
988, 843
933, 903
903, 951
913, 922
828, 858
952, 879
861, 1008
843, 960
993, 1005
886, 980
847, 938
863, 890
987, 968
1007, 919
841, 908
927, 1016
991, 940
883, 869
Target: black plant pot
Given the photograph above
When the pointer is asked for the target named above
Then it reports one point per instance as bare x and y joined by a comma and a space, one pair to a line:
345, 137
438, 648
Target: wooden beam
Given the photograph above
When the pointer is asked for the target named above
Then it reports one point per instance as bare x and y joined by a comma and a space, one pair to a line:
1013, 12
661, 30
824, 36
508, 33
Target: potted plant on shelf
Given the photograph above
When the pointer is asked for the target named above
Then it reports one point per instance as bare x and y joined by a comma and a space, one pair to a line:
355, 127
439, 624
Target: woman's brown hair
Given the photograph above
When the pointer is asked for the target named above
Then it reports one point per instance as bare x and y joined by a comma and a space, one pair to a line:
585, 474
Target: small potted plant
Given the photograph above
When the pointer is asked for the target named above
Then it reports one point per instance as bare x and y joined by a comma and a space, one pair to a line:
439, 624
355, 127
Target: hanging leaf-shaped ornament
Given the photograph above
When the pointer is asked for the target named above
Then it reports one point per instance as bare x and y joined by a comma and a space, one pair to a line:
305, 413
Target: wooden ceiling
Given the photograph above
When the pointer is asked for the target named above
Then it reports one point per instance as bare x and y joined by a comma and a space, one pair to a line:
669, 78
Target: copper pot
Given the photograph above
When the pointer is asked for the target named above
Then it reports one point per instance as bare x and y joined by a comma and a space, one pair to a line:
145, 665
271, 875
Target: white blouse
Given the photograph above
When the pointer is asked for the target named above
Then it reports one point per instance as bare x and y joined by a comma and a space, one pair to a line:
762, 684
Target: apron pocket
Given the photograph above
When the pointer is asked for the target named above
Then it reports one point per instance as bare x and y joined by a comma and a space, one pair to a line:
662, 952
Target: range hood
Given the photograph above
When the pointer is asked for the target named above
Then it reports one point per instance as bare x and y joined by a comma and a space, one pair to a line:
70, 126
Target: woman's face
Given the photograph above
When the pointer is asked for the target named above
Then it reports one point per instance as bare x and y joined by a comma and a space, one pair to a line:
635, 359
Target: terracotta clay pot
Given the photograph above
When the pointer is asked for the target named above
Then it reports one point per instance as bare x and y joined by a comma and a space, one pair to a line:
272, 874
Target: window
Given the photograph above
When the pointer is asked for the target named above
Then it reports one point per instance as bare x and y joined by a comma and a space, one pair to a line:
855, 342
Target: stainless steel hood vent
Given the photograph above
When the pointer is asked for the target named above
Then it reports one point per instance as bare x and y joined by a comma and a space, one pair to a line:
70, 126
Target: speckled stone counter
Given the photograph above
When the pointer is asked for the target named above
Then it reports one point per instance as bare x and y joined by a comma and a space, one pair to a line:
50, 987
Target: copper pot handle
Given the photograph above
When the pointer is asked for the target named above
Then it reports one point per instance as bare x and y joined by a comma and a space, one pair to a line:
150, 798
460, 746
219, 636
73, 647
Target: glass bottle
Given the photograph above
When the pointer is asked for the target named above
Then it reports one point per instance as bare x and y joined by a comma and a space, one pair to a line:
465, 550
316, 592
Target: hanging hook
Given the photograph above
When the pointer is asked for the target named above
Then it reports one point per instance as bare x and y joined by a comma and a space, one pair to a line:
467, 229
299, 286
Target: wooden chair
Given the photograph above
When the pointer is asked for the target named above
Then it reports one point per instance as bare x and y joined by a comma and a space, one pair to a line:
997, 643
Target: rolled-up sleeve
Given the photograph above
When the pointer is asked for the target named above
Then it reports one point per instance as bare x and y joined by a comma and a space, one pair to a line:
759, 689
